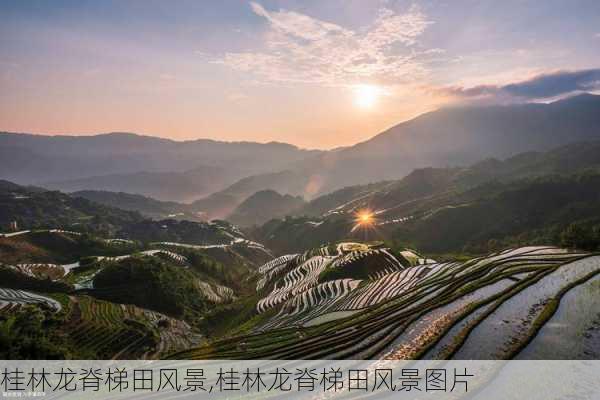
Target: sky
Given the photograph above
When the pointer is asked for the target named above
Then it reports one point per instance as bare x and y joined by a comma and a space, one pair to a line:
314, 73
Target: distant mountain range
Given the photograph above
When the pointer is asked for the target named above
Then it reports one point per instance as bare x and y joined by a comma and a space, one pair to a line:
223, 203
443, 138
146, 206
530, 195
457, 136
222, 175
427, 184
162, 168
167, 186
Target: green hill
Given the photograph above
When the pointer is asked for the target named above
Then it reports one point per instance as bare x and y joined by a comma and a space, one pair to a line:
528, 198
263, 206
146, 206
36, 209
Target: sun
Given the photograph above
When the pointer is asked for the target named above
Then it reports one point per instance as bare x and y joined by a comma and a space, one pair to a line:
364, 220
364, 217
366, 96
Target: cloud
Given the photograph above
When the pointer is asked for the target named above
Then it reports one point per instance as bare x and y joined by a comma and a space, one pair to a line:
539, 87
302, 49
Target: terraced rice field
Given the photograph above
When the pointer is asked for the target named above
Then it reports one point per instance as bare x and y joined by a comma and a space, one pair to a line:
570, 333
174, 334
172, 256
100, 328
42, 271
24, 232
216, 293
11, 299
311, 303
58, 271
111, 330
498, 306
272, 269
299, 279
305, 294
235, 241
65, 232
356, 256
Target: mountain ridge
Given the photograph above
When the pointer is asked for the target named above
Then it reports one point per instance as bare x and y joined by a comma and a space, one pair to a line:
453, 136
450, 136
57, 161
133, 135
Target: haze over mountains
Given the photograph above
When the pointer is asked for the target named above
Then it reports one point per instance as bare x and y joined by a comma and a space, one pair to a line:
263, 206
184, 171
448, 137
162, 168
460, 136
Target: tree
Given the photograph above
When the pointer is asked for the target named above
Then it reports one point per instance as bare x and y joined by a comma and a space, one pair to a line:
25, 336
580, 236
